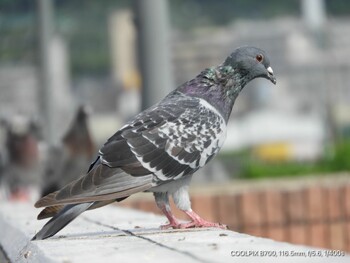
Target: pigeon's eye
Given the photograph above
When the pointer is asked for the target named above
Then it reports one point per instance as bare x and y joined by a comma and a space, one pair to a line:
259, 58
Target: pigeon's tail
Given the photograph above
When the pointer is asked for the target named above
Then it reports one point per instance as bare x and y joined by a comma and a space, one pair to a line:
60, 220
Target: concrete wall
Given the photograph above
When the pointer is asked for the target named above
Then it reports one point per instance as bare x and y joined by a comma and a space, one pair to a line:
113, 234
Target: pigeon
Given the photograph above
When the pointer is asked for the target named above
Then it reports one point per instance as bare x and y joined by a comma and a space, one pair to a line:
21, 170
161, 148
66, 161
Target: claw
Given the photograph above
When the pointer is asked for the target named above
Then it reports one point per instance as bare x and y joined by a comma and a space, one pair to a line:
193, 224
170, 225
197, 221
202, 223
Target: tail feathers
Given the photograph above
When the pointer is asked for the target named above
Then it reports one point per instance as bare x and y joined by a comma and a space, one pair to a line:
50, 211
60, 220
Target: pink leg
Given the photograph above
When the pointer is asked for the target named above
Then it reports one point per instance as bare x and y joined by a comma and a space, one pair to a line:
163, 203
173, 222
197, 221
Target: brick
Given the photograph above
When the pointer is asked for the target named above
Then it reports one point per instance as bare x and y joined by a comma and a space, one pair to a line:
274, 212
233, 227
149, 206
347, 236
276, 233
178, 213
128, 203
124, 204
319, 235
297, 206
205, 206
347, 201
251, 208
135, 204
297, 234
228, 210
337, 236
334, 211
254, 231
315, 203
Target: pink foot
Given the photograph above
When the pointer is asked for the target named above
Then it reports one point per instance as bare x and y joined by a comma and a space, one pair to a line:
197, 221
202, 223
193, 224
170, 225
173, 222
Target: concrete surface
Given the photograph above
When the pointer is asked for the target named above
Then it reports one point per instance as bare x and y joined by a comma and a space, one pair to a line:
3, 257
113, 234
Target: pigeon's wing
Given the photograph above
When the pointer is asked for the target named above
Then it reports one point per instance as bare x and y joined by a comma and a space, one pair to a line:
170, 140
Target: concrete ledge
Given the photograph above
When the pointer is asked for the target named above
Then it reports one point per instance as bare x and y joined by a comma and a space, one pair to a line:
113, 234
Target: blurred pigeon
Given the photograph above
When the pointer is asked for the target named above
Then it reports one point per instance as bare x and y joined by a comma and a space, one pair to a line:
159, 149
21, 170
69, 160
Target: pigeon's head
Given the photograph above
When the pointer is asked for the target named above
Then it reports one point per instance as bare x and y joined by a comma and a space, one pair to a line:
251, 63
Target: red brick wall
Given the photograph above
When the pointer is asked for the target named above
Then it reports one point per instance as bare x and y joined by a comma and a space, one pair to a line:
315, 215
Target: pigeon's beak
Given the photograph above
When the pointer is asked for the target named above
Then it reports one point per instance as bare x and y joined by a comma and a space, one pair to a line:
270, 75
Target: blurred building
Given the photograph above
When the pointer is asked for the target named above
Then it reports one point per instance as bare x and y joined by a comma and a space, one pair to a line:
124, 67
312, 85
312, 73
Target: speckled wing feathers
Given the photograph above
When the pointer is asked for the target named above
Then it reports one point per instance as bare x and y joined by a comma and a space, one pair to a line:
172, 139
